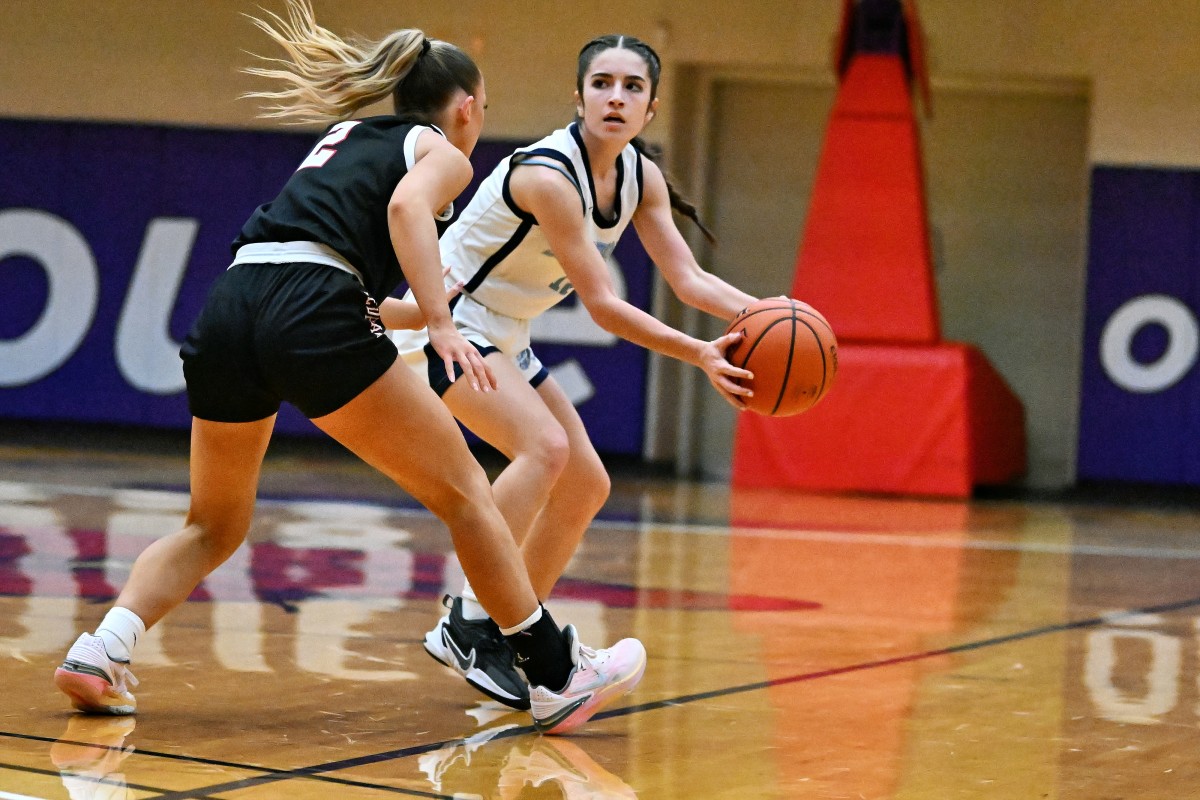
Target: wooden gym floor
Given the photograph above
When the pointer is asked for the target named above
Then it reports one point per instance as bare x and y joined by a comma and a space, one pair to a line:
800, 646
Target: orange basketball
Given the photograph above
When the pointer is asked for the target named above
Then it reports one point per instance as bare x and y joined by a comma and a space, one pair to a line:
792, 352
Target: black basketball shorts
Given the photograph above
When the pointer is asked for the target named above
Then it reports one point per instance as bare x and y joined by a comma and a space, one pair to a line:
305, 333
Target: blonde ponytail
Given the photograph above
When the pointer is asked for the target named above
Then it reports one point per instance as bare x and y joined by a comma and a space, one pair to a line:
327, 77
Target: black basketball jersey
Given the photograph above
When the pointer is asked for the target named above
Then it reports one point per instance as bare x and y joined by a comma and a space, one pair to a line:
339, 196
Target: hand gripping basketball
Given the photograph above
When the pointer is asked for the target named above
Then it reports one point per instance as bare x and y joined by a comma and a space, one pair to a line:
791, 350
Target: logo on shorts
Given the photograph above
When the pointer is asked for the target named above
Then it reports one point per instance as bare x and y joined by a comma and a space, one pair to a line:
373, 316
524, 357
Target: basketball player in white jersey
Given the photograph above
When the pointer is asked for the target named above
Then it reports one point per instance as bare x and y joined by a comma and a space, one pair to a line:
539, 228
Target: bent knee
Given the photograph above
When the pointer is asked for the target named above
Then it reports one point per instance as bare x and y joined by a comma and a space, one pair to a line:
461, 501
549, 447
588, 481
220, 537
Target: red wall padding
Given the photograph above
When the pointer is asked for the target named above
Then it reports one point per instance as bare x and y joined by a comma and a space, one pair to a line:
908, 413
926, 420
865, 259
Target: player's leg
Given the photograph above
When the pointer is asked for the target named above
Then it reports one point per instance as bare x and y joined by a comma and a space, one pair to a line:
401, 428
600, 677
574, 501
576, 498
225, 462
515, 420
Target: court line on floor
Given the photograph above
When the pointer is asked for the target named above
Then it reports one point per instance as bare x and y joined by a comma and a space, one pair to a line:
933, 542
211, 762
979, 644
404, 752
98, 782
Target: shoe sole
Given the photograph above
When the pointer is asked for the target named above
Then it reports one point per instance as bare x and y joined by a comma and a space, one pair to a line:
597, 703
446, 660
91, 694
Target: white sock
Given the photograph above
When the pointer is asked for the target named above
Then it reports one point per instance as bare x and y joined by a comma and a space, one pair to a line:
520, 626
120, 630
470, 604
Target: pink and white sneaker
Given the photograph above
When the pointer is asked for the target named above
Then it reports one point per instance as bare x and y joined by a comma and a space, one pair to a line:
599, 678
95, 683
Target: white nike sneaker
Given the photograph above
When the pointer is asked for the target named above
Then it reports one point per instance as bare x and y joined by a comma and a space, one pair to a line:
95, 683
599, 678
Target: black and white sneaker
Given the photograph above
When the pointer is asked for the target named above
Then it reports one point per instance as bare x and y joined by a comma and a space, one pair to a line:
478, 651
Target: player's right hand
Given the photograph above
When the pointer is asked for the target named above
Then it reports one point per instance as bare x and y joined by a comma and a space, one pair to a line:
448, 343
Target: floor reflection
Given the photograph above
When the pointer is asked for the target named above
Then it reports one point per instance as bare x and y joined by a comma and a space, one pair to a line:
807, 647
89, 756
493, 765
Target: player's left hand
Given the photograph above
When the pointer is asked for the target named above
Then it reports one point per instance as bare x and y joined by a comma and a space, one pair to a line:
724, 376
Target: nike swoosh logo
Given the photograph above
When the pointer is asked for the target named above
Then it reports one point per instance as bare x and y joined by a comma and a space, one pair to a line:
549, 723
465, 662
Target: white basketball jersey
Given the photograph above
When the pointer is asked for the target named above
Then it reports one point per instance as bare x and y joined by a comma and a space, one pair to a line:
498, 250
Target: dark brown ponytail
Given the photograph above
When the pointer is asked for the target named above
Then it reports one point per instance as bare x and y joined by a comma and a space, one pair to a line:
678, 201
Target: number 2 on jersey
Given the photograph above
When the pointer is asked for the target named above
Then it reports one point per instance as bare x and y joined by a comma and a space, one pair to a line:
325, 148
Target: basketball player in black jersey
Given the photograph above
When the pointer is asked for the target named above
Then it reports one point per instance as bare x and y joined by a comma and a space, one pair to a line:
295, 318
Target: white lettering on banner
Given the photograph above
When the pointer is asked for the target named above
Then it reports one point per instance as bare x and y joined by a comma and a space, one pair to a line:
573, 324
74, 291
146, 355
1183, 344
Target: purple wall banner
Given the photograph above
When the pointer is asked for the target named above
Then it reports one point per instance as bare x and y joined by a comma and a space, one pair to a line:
110, 235
1140, 404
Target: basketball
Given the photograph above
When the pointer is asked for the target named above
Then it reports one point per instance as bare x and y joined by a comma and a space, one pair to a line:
792, 352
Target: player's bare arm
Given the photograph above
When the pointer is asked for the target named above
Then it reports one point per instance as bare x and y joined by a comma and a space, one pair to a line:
439, 175
667, 248
554, 202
